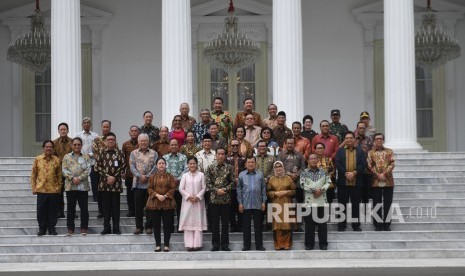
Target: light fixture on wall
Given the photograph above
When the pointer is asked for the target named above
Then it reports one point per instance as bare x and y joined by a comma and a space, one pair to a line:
433, 46
231, 50
32, 48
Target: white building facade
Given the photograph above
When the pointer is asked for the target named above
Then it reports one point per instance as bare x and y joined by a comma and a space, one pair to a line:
316, 56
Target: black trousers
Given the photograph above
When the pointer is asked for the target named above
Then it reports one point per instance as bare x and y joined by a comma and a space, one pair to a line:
47, 211
140, 200
130, 193
331, 194
94, 179
235, 217
257, 216
168, 221
111, 209
310, 228
365, 193
345, 193
207, 206
217, 211
61, 199
178, 199
383, 195
81, 198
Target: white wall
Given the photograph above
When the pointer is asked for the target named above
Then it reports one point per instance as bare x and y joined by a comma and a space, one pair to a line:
131, 61
333, 60
6, 120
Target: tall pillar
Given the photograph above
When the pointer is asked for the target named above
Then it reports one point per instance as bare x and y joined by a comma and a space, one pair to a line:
399, 74
176, 57
287, 58
66, 65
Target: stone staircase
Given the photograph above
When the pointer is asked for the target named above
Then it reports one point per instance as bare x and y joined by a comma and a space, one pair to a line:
430, 190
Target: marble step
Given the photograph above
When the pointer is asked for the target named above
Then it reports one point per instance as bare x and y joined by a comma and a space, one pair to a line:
297, 237
396, 226
430, 173
412, 215
433, 167
429, 162
16, 160
430, 155
459, 187
234, 245
406, 210
235, 255
429, 194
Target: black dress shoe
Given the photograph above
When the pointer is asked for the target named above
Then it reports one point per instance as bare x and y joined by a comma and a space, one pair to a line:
41, 233
214, 249
341, 228
245, 248
357, 229
324, 247
308, 247
116, 232
52, 232
261, 249
378, 228
225, 249
61, 215
106, 232
387, 228
100, 215
131, 214
76, 216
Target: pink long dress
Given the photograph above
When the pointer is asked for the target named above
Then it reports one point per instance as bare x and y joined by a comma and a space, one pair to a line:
193, 216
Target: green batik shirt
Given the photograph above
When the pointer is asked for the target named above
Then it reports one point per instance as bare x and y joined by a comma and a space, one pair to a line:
219, 177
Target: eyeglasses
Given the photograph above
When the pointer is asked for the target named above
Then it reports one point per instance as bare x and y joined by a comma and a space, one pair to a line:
110, 139
234, 145
177, 120
320, 148
266, 132
379, 138
78, 145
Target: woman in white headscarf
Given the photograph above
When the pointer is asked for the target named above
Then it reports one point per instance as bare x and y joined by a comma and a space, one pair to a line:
280, 190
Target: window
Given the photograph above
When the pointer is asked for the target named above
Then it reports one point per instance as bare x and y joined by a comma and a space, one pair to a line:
424, 101
227, 85
43, 90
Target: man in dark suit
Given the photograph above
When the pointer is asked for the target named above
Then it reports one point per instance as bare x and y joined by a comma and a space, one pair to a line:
350, 164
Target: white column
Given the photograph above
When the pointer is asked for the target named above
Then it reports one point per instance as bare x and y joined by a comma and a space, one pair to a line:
66, 65
399, 56
176, 57
287, 58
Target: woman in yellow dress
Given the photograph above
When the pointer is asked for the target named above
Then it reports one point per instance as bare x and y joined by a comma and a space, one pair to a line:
280, 190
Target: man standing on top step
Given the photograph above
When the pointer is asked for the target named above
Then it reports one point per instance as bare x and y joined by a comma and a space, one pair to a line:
381, 164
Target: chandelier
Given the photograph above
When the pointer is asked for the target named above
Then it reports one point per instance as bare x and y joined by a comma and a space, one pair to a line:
433, 46
231, 50
32, 49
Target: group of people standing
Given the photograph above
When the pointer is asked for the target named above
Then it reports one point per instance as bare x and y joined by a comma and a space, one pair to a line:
214, 174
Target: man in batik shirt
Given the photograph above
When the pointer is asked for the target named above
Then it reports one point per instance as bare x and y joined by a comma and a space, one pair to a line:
111, 165
152, 131
63, 146
127, 148
381, 164
237, 161
201, 128
219, 178
222, 118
